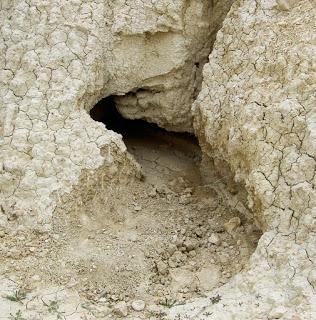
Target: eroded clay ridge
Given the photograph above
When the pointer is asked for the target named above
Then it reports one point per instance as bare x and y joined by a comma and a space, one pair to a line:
255, 113
58, 58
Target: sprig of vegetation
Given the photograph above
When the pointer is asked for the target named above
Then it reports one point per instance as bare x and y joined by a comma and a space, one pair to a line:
53, 307
17, 316
18, 296
216, 299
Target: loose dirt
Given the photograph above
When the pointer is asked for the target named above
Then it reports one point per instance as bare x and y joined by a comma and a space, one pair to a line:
154, 243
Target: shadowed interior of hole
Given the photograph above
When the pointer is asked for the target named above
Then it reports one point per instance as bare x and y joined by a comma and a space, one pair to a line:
149, 135
172, 213
106, 112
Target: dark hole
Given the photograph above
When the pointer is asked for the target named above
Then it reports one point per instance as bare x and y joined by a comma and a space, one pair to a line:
106, 112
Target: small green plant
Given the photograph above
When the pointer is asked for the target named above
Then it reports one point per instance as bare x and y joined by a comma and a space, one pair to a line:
18, 296
207, 313
17, 316
53, 307
216, 299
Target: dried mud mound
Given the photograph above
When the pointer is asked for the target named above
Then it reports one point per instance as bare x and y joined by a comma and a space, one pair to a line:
92, 227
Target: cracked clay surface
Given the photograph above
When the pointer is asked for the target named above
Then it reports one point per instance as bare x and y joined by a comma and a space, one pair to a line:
256, 112
253, 113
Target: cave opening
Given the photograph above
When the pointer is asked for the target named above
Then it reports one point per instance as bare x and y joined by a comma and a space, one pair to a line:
189, 230
105, 111
138, 131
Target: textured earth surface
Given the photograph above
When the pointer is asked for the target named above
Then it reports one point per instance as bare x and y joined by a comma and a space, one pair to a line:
255, 117
93, 227
162, 240
58, 58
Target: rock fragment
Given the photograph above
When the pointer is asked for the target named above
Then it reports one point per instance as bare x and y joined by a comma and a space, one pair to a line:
138, 305
137, 207
152, 193
177, 259
172, 248
162, 267
232, 224
163, 189
190, 244
284, 5
214, 239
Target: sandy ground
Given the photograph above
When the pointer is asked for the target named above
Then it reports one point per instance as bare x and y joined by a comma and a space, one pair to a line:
135, 251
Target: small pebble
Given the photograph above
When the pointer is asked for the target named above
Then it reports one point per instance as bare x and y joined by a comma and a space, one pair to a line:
284, 5
214, 239
162, 267
152, 193
36, 278
138, 305
192, 253
232, 224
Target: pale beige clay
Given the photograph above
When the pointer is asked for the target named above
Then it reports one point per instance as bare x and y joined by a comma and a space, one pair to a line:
156, 224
